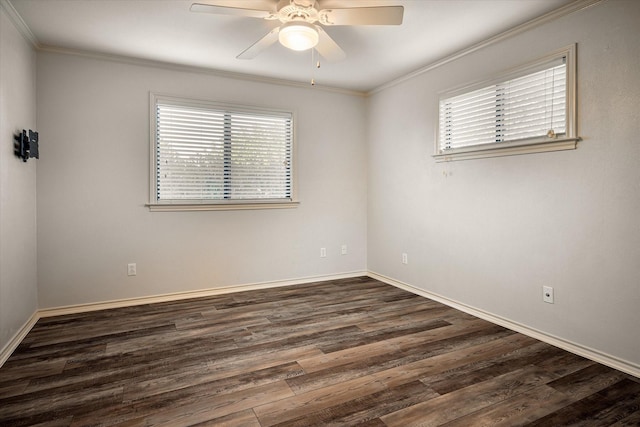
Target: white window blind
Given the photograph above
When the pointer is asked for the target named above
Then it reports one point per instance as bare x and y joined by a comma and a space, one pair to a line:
527, 107
212, 154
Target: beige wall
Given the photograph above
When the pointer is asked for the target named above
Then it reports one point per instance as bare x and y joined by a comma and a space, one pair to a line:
18, 286
490, 233
93, 182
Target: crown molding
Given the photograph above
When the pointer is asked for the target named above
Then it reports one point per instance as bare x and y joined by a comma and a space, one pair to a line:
568, 9
24, 29
26, 32
18, 22
195, 69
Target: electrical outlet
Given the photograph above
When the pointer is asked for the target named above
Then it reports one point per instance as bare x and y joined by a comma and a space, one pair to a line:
323, 252
131, 269
343, 250
547, 294
405, 259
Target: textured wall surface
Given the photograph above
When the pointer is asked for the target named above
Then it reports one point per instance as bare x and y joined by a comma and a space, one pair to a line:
93, 183
18, 277
490, 233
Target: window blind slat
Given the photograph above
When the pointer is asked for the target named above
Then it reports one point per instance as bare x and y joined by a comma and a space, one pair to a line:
209, 154
523, 107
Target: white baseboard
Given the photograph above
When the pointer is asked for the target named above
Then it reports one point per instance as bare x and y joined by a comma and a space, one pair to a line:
15, 341
10, 347
589, 353
127, 302
575, 348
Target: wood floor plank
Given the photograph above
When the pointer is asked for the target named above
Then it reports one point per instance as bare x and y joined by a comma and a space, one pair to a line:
200, 409
304, 403
264, 349
415, 313
57, 422
223, 321
438, 364
336, 353
355, 410
403, 356
40, 407
193, 351
184, 406
197, 379
12, 388
101, 337
468, 400
234, 377
587, 381
385, 334
246, 418
381, 362
176, 338
353, 354
51, 354
564, 363
277, 357
519, 410
490, 367
273, 332
631, 420
599, 409
92, 331
13, 371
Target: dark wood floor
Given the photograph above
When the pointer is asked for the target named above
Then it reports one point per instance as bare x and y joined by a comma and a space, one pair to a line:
345, 352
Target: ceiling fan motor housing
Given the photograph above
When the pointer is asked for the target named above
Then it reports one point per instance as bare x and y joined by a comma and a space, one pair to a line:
297, 10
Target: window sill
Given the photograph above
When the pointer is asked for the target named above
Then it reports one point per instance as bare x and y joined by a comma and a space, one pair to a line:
498, 150
177, 207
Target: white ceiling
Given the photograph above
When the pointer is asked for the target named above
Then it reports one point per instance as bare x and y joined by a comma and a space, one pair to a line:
165, 30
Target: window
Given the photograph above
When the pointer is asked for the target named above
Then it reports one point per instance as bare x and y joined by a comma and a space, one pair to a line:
214, 156
527, 110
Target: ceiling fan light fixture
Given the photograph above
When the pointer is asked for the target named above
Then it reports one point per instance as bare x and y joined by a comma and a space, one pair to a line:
298, 35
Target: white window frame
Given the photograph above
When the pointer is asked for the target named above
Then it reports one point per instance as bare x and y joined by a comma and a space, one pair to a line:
214, 204
567, 141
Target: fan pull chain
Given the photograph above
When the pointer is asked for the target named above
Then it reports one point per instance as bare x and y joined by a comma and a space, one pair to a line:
313, 59
315, 63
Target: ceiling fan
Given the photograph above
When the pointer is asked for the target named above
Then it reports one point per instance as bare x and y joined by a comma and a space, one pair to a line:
302, 22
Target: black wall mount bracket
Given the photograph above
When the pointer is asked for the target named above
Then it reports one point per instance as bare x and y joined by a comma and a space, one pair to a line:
26, 145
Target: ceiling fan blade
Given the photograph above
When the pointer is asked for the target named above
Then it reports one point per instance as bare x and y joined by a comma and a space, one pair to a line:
383, 15
328, 48
257, 48
231, 10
